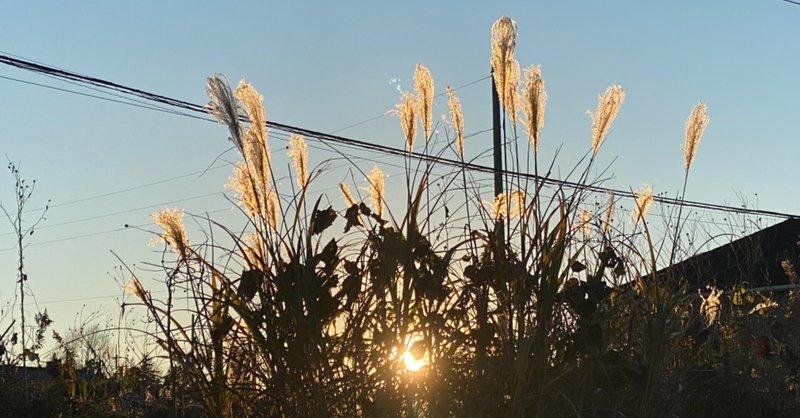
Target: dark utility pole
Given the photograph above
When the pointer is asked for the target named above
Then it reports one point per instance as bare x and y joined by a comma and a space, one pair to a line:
498, 141
498, 157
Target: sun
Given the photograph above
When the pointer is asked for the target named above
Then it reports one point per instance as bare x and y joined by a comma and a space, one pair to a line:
413, 364
414, 357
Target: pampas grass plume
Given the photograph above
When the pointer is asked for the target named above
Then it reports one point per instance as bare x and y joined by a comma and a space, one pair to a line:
406, 111
534, 99
457, 119
171, 221
423, 86
695, 125
299, 153
346, 196
608, 106
375, 188
644, 199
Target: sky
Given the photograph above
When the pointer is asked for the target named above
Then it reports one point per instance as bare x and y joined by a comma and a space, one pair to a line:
329, 65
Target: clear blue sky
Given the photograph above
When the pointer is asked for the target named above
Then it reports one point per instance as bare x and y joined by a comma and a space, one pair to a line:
326, 65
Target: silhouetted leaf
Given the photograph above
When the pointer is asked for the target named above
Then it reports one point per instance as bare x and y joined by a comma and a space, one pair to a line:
351, 267
322, 220
577, 266
328, 254
220, 330
249, 284
353, 217
365, 210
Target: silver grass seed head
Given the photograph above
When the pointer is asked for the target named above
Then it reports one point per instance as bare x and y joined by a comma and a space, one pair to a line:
134, 287
585, 222
456, 119
517, 198
608, 106
534, 99
644, 199
299, 153
406, 112
504, 40
254, 147
224, 107
171, 221
695, 125
499, 207
375, 188
346, 196
423, 87
272, 209
246, 190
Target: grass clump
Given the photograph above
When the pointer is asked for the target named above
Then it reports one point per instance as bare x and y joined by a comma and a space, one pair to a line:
537, 304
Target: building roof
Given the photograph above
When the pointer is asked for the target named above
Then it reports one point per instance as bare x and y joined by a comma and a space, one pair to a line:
754, 260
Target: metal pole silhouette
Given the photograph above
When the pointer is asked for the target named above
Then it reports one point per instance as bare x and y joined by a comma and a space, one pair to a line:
498, 154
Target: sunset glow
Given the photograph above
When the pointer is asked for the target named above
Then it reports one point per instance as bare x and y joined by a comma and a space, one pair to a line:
413, 364
414, 357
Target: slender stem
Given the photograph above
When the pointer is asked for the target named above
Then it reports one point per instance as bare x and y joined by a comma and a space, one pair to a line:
678, 222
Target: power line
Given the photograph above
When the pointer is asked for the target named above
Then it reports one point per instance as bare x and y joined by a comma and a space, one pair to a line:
94, 96
94, 234
130, 189
330, 138
122, 212
81, 299
141, 104
382, 115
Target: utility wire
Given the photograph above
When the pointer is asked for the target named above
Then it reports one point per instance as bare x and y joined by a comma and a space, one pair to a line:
94, 96
130, 189
382, 115
361, 144
122, 212
94, 234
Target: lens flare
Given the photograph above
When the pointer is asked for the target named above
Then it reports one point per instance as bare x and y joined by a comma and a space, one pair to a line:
414, 357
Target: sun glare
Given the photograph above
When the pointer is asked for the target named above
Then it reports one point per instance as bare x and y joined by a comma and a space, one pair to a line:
413, 364
414, 356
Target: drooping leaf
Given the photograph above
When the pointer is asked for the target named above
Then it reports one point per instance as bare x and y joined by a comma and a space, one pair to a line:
328, 254
322, 220
249, 283
353, 217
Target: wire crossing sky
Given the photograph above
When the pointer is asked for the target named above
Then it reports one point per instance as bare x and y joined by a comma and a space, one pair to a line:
359, 144
331, 71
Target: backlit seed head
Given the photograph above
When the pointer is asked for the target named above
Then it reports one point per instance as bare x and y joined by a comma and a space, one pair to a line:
534, 99
423, 86
517, 199
171, 221
254, 147
299, 153
346, 196
406, 111
710, 305
504, 40
224, 107
585, 225
375, 188
695, 125
134, 287
272, 209
499, 207
457, 119
608, 106
644, 199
